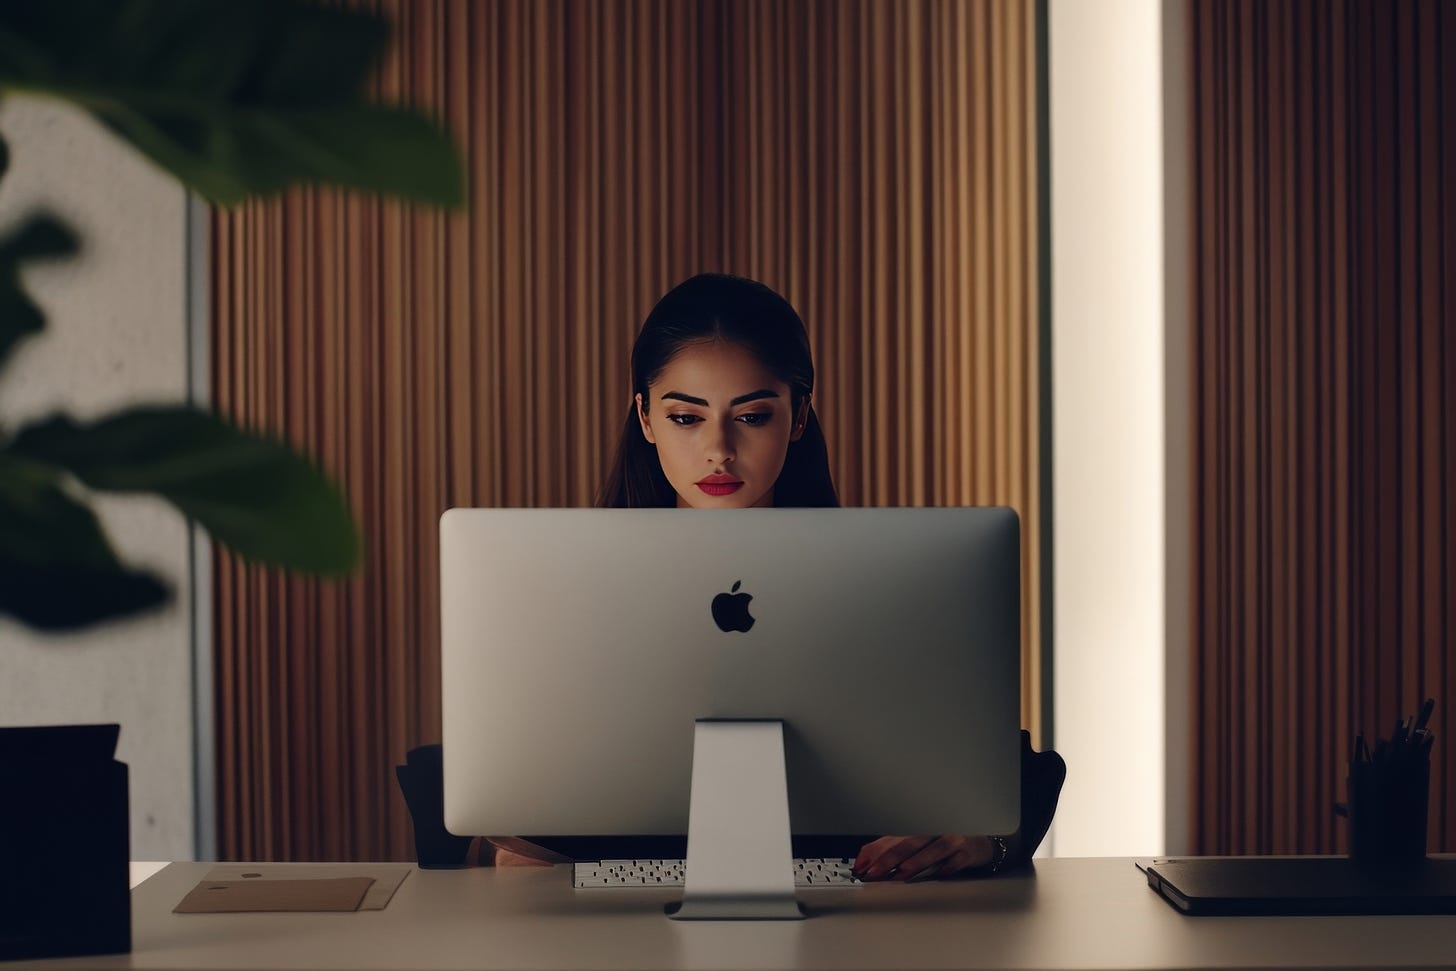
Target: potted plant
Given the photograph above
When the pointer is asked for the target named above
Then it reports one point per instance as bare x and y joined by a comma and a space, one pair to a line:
236, 100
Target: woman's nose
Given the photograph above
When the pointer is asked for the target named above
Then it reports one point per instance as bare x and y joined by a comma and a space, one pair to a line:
720, 444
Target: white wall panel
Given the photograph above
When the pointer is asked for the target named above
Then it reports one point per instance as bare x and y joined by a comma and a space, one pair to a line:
116, 335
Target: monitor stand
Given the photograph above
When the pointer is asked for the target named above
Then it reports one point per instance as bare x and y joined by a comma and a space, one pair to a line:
740, 861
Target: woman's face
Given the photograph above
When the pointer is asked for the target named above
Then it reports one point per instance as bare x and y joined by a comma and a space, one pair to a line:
722, 424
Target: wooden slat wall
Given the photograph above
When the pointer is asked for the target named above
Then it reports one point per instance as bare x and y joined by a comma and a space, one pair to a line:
873, 161
1325, 411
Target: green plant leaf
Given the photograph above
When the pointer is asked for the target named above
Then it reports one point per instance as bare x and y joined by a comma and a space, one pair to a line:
40, 524
235, 98
251, 493
57, 569
67, 598
40, 236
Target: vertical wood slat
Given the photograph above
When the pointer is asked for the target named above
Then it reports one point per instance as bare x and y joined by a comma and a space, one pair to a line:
1325, 243
480, 358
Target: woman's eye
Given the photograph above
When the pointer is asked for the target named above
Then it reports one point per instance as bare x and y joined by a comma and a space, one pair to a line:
684, 419
756, 418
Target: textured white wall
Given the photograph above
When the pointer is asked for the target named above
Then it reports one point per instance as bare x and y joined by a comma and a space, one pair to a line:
1108, 423
116, 335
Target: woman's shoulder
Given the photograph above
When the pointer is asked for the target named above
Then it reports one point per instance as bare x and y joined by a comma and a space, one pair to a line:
1047, 764
1042, 775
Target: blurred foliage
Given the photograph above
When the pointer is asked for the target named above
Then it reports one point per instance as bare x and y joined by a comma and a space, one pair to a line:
236, 98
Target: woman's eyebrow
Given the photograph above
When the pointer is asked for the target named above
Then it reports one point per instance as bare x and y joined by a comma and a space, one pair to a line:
741, 399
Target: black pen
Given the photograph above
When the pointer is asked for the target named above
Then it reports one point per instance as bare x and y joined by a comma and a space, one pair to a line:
1425, 715
1397, 737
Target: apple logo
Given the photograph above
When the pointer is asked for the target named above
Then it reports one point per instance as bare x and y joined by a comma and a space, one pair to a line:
730, 610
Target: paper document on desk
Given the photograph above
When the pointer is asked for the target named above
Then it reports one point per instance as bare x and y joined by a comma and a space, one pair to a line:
387, 876
298, 896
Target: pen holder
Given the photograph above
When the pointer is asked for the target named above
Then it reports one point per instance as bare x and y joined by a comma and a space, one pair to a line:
64, 843
1387, 811
422, 780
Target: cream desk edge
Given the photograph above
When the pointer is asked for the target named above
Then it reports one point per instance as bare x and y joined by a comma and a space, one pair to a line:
1067, 914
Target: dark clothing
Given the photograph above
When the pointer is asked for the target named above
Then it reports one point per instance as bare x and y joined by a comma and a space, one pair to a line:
1042, 774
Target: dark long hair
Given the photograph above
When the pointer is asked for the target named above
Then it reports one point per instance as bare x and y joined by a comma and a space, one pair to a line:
741, 311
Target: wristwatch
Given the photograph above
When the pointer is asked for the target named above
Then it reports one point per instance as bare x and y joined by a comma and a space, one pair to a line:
998, 856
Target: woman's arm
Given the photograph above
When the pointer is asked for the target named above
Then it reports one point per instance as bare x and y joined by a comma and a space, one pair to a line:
1042, 775
922, 857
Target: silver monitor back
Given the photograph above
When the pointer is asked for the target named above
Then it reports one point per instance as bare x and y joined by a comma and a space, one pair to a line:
579, 647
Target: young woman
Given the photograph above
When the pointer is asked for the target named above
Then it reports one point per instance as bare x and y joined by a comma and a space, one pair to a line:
722, 417
722, 413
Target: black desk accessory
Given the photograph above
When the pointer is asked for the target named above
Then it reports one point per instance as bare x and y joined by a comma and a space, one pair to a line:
1259, 886
1388, 792
422, 780
64, 843
1387, 870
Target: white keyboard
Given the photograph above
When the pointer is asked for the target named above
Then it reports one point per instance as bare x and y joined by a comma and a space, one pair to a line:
808, 872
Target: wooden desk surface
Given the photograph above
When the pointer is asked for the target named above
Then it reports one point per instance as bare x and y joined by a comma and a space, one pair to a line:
1071, 913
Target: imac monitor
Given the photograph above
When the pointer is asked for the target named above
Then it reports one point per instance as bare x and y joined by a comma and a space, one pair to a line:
664, 671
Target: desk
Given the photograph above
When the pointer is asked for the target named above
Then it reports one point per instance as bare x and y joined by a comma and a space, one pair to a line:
1072, 913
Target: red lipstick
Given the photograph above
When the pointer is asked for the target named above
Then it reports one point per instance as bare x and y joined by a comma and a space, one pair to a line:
719, 485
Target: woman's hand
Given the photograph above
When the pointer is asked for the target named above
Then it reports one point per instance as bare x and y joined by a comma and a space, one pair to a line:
509, 858
921, 857
514, 851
